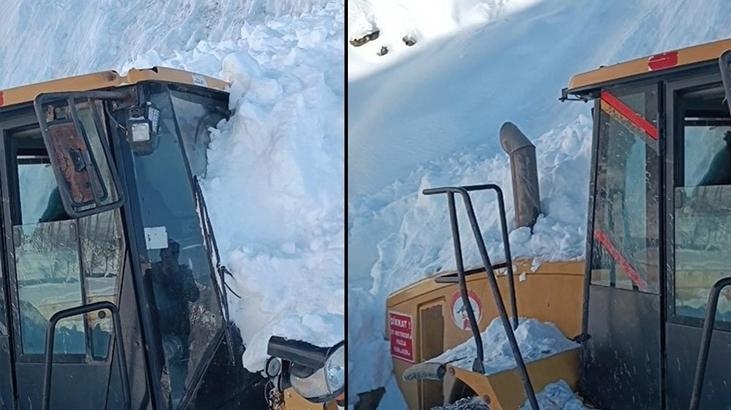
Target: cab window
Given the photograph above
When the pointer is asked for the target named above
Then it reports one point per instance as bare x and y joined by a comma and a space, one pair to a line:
195, 115
625, 240
179, 273
59, 262
702, 200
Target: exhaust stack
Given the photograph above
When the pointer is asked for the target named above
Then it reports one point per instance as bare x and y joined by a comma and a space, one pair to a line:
524, 172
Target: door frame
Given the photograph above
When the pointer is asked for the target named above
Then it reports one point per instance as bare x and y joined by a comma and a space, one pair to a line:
611, 305
682, 341
672, 125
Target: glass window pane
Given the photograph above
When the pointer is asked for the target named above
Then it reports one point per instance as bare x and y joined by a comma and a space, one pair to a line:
194, 120
102, 250
47, 266
180, 273
51, 251
702, 241
704, 149
86, 117
39, 197
625, 246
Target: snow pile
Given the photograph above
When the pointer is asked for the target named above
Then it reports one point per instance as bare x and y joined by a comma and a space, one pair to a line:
276, 172
429, 114
557, 396
275, 179
536, 340
420, 241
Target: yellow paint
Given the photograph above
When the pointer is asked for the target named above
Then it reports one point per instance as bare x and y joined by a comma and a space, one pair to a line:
504, 390
293, 401
107, 80
637, 67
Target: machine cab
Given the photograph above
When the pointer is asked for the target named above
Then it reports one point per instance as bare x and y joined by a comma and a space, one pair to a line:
105, 238
659, 229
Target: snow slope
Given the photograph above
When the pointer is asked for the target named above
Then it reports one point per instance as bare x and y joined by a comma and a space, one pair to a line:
275, 178
428, 115
77, 36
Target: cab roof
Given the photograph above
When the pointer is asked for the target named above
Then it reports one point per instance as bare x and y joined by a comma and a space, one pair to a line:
105, 80
657, 62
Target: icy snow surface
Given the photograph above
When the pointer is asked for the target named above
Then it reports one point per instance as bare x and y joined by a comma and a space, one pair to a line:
557, 396
275, 179
467, 403
536, 340
428, 115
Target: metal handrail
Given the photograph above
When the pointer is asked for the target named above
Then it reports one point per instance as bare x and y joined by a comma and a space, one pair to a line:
708, 324
79, 310
478, 365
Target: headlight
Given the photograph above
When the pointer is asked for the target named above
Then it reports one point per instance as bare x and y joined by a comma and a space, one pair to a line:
323, 384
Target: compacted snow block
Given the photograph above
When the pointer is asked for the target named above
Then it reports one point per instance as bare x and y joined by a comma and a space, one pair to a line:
503, 390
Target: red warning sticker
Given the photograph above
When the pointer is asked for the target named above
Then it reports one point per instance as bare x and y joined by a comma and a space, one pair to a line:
459, 311
401, 333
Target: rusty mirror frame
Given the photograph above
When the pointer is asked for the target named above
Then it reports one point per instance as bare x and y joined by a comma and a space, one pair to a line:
83, 189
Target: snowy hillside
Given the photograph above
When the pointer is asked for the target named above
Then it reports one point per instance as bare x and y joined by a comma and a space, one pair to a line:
275, 178
428, 115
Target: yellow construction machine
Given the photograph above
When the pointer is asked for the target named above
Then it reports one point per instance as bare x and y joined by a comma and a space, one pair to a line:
647, 305
113, 295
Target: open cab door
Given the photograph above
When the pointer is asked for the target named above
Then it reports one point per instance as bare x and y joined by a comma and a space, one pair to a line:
74, 133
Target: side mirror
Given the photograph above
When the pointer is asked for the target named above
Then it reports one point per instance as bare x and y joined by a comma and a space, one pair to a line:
724, 63
76, 140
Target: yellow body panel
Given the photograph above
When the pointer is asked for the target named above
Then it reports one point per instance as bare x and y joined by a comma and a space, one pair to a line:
685, 56
293, 401
553, 293
105, 80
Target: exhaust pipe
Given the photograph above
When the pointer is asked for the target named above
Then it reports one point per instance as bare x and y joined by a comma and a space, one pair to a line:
524, 173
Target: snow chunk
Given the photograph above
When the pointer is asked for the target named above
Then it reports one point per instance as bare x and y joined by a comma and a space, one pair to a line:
557, 396
467, 403
238, 69
536, 340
